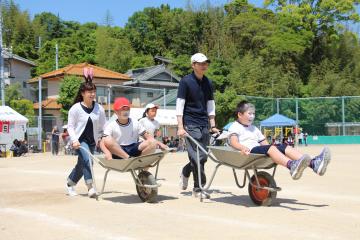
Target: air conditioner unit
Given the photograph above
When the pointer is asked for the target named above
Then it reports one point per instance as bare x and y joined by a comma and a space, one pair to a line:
102, 99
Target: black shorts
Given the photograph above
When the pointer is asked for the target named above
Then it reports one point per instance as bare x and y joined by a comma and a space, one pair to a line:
132, 150
265, 148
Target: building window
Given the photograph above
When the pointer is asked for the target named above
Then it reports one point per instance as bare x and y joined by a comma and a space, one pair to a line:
150, 94
24, 85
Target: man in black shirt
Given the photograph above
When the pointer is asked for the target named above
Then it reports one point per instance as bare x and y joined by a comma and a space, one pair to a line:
195, 110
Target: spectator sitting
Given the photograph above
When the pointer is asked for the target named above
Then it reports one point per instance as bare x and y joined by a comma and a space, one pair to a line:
18, 148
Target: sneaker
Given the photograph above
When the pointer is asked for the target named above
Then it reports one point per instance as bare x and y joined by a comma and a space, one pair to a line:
298, 166
71, 191
183, 182
321, 161
201, 194
92, 193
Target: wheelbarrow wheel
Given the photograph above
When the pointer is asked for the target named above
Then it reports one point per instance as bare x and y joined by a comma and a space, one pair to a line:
147, 194
262, 197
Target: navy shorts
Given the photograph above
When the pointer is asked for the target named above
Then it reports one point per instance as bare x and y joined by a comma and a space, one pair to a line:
265, 148
132, 150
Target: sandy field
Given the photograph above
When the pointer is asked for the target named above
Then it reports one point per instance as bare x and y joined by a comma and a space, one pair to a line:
33, 204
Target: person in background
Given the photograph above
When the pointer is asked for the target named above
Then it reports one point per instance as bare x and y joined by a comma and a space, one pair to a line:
15, 148
55, 137
305, 138
149, 122
86, 121
301, 137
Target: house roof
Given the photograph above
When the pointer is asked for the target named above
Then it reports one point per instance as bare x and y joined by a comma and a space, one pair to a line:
144, 74
10, 55
170, 98
77, 70
152, 83
50, 103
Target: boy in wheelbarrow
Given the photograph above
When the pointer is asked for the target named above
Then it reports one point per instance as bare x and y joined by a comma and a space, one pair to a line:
121, 137
248, 139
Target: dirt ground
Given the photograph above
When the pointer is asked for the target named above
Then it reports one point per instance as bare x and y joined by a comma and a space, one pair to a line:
33, 204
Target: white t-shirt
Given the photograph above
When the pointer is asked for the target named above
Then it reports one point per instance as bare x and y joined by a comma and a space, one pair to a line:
150, 125
124, 134
249, 136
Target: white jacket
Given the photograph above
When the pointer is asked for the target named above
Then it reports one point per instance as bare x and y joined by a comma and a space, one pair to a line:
78, 118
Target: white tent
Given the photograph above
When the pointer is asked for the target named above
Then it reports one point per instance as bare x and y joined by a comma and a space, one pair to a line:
9, 114
166, 117
12, 125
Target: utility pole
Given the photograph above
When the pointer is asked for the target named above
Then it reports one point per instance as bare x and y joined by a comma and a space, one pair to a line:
57, 56
1, 61
39, 44
40, 115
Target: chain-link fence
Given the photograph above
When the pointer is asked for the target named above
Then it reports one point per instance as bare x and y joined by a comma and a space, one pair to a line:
325, 116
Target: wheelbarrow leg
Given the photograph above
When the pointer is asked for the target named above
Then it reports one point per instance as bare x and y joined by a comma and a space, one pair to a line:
104, 182
157, 169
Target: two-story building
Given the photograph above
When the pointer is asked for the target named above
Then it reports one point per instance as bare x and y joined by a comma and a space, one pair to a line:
161, 84
140, 86
50, 85
17, 70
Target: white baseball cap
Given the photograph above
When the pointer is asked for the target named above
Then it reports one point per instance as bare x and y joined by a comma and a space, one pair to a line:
199, 58
151, 105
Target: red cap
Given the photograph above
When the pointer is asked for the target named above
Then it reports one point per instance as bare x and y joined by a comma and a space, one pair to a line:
121, 102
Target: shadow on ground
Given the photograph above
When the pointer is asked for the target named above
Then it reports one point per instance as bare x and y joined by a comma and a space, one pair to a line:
129, 198
291, 204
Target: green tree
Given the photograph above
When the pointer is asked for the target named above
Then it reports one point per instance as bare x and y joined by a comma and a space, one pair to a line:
225, 106
318, 16
15, 100
25, 107
113, 52
69, 88
181, 65
12, 92
252, 76
140, 61
10, 12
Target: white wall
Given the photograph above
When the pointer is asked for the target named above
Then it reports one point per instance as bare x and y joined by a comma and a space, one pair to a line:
53, 89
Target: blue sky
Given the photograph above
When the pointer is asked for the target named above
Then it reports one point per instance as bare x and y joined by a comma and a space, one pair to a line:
94, 10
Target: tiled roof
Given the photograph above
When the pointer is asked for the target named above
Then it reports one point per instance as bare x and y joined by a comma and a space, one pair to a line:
50, 103
143, 74
152, 83
10, 55
170, 98
77, 69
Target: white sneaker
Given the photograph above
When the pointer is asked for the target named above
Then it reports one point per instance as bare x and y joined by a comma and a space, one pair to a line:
92, 193
202, 194
71, 191
183, 183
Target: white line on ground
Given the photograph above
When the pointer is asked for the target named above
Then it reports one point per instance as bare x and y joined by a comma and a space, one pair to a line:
55, 221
